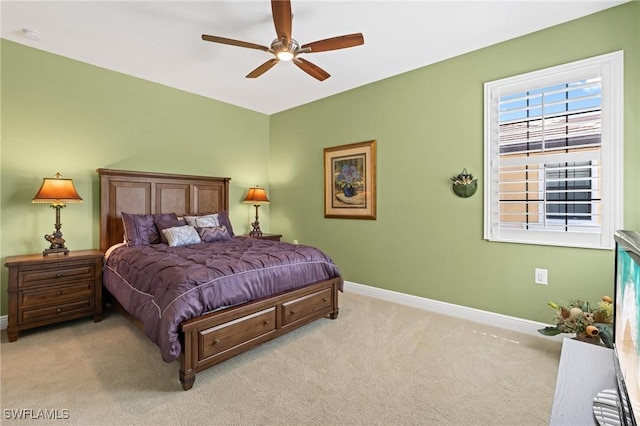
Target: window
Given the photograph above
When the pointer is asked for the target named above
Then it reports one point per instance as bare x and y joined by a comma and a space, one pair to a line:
553, 155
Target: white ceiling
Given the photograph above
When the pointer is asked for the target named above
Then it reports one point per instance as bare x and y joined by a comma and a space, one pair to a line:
160, 41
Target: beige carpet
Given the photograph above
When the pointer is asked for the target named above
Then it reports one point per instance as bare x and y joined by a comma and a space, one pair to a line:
378, 363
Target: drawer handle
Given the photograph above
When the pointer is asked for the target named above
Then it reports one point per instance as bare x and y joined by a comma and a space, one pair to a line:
59, 274
266, 322
59, 310
324, 299
59, 292
293, 312
215, 342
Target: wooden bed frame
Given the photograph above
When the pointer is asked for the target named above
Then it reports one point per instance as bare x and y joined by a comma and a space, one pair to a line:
217, 336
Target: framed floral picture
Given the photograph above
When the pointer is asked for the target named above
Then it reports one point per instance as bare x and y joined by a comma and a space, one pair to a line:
350, 181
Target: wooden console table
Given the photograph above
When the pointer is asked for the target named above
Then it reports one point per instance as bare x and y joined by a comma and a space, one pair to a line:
585, 369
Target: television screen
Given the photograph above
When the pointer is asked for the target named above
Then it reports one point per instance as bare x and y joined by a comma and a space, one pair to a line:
627, 320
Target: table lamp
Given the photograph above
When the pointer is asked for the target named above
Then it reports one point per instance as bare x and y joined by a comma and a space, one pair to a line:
256, 196
56, 191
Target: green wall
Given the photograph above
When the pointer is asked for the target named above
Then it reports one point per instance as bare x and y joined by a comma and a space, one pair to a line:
60, 115
428, 124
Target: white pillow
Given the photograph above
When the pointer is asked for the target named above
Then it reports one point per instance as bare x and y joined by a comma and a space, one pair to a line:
203, 221
181, 235
207, 221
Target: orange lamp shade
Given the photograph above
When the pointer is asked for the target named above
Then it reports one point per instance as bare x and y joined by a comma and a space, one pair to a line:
256, 196
57, 191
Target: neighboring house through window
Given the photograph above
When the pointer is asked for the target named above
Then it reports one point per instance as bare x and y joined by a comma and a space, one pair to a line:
553, 155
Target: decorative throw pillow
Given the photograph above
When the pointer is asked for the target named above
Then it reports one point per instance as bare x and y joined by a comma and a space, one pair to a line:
181, 235
140, 229
166, 224
205, 220
213, 234
223, 218
215, 219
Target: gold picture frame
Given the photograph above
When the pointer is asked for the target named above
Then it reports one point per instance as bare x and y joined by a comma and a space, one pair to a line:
350, 181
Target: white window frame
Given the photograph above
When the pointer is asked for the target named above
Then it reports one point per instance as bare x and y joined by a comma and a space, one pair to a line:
610, 68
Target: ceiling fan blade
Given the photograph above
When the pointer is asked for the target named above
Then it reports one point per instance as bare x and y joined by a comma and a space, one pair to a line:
312, 69
334, 43
233, 42
282, 18
263, 68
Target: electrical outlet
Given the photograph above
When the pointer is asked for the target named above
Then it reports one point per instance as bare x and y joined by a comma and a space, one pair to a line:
295, 242
541, 276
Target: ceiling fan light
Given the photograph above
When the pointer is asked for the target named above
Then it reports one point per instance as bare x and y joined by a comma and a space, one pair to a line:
284, 55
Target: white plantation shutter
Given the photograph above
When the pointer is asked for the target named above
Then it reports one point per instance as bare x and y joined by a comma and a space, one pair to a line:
553, 147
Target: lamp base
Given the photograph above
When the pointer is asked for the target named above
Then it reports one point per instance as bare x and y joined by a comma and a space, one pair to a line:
63, 250
56, 240
256, 232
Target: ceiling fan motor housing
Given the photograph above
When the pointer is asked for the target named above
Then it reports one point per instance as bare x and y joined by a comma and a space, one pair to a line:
278, 46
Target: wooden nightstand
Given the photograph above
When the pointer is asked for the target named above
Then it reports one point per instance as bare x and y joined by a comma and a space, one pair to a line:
45, 290
264, 236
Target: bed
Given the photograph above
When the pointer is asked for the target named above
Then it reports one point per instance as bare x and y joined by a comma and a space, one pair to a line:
203, 302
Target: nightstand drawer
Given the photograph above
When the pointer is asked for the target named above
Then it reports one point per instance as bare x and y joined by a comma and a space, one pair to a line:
27, 278
51, 312
56, 295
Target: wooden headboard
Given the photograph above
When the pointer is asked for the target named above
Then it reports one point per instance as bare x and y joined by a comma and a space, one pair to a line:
151, 193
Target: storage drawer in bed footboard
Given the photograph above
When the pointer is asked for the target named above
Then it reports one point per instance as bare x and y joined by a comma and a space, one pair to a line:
219, 339
305, 306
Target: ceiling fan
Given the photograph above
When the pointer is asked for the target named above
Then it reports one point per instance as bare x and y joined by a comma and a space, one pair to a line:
285, 48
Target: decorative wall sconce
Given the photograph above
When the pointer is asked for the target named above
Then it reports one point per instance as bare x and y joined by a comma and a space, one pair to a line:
56, 192
256, 196
464, 184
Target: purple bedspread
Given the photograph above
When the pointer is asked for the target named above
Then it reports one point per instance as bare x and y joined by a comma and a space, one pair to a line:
164, 286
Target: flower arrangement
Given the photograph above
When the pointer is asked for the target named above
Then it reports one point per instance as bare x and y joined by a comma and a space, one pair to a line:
588, 322
464, 184
463, 178
349, 177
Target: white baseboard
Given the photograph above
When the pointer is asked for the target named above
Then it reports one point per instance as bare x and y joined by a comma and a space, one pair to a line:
444, 308
484, 317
